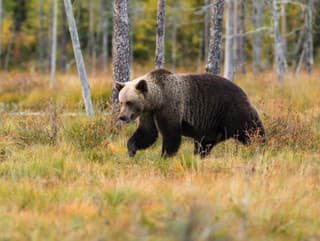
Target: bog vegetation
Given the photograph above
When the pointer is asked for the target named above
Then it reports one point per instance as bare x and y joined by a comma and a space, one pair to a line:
64, 176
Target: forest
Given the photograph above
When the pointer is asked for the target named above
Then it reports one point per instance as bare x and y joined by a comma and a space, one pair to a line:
65, 172
27, 32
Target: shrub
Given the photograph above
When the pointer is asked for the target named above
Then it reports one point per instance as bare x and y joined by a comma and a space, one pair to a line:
38, 129
89, 133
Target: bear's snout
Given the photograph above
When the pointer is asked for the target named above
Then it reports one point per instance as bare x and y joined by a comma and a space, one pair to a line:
124, 118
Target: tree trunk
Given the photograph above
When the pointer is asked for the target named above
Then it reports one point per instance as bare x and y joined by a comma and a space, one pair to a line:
54, 44
281, 63
120, 45
41, 38
240, 39
79, 58
104, 26
214, 53
257, 19
229, 46
160, 41
20, 15
64, 38
309, 39
131, 59
284, 29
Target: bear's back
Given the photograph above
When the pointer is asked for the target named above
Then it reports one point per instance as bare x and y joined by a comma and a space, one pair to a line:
211, 87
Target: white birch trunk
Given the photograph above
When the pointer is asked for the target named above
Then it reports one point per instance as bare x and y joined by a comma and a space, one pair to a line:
309, 39
79, 58
120, 45
284, 28
280, 60
229, 44
214, 54
64, 32
160, 39
54, 44
257, 19
240, 39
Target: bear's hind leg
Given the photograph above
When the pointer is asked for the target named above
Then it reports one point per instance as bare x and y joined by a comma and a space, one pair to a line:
203, 148
243, 138
171, 135
171, 141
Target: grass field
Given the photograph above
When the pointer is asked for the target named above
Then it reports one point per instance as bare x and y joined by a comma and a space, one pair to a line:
69, 177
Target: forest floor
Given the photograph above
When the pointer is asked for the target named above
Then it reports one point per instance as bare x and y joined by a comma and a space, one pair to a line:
68, 177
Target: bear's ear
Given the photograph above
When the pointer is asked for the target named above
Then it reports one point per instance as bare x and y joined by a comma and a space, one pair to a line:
142, 86
119, 85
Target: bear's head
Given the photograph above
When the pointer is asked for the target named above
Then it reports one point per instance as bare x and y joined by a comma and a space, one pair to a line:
132, 97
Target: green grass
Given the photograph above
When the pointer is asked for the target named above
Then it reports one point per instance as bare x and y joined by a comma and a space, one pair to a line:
70, 178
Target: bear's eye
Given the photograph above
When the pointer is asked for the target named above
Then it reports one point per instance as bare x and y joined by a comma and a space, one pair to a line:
129, 103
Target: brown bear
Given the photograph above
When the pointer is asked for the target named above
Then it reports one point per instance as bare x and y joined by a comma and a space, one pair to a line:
205, 107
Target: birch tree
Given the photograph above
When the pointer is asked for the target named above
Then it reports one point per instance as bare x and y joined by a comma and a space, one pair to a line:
308, 44
120, 45
284, 29
229, 44
240, 39
79, 58
160, 38
280, 60
64, 52
214, 53
257, 19
54, 43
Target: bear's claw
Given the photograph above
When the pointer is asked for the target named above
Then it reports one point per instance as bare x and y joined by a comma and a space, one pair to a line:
132, 153
131, 149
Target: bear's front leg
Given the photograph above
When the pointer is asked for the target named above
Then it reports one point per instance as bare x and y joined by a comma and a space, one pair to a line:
144, 136
171, 135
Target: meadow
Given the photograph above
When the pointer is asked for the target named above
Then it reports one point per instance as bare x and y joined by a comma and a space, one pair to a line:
64, 176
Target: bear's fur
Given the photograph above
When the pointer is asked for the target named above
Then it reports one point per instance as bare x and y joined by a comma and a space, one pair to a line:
205, 107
